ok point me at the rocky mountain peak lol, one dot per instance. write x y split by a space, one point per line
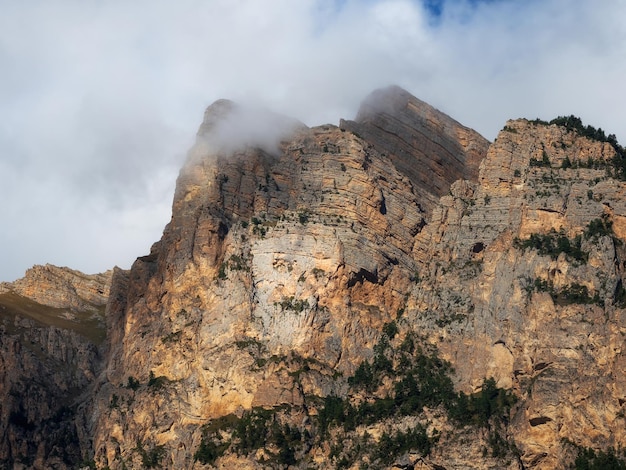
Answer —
393 101
394 292
430 147
214 114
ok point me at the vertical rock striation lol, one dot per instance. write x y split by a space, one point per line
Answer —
297 250
308 279
522 281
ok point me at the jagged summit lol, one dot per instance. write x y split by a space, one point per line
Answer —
430 147
215 113
396 102
316 304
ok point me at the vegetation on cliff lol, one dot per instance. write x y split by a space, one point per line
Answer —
573 123
390 392
322 307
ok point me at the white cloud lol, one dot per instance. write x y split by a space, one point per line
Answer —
101 100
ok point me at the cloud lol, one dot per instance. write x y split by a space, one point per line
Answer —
232 127
101 100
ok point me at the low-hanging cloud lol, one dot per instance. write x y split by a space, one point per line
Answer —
230 127
101 100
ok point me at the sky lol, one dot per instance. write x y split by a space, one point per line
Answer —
100 100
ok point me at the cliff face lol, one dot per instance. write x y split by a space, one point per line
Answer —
394 292
429 147
523 282
280 268
270 259
51 337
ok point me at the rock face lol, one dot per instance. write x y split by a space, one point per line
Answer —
546 319
394 292
51 338
430 148
296 255
62 287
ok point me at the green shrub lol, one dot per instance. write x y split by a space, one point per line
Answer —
363 377
576 294
303 218
589 459
570 294
390 329
260 427
133 383
238 263
221 272
251 430
173 337
408 343
156 382
491 403
295 305
553 244
566 163
208 451
333 411
543 163
599 228
114 403
151 458
419 379
392 445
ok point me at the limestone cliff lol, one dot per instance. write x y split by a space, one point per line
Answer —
51 335
429 147
523 281
270 259
280 268
395 292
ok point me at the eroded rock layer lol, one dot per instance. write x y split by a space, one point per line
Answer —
299 253
51 339
429 147
394 292
523 282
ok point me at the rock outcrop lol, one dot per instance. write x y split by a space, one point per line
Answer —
395 292
429 147
51 339
62 287
523 283
296 255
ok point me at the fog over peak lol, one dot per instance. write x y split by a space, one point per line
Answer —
229 127
101 100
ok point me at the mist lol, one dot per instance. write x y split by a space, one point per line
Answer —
102 100
230 127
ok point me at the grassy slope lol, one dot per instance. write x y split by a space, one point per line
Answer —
87 324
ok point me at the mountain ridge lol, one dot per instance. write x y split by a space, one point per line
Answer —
392 292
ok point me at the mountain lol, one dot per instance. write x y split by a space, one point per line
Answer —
52 334
395 292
